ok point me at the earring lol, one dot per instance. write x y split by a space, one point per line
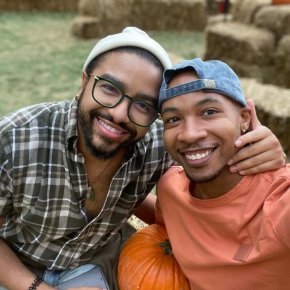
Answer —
244 130
78 96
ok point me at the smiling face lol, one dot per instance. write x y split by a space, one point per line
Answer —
200 129
104 132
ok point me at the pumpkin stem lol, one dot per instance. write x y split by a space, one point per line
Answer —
167 250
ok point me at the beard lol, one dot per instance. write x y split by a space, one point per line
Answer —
206 178
208 174
101 151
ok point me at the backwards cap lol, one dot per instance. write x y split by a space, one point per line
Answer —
130 36
213 75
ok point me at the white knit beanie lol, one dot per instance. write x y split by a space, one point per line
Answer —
130 36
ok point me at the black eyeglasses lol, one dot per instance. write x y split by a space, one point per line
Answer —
109 95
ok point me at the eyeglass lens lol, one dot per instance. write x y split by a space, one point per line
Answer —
109 95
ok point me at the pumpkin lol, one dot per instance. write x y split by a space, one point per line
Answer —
146 262
277 2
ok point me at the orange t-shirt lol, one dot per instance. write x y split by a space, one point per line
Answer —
240 240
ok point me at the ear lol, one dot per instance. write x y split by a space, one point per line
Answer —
85 80
245 119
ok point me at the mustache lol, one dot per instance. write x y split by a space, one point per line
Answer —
97 114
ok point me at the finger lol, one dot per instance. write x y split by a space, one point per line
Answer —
263 167
259 134
247 158
252 150
254 119
255 151
262 162
248 166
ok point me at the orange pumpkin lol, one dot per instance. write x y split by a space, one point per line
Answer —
146 262
277 2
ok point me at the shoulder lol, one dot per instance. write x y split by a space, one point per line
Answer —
37 123
23 117
277 204
175 175
175 170
275 177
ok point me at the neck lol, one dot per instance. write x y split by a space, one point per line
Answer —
216 187
95 165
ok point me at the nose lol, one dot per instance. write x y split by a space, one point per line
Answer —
120 112
191 132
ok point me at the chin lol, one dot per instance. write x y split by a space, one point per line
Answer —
199 176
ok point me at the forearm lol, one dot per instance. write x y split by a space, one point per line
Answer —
146 210
13 274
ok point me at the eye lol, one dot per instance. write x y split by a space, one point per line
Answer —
109 89
143 107
170 120
209 112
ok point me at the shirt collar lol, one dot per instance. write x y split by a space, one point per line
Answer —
71 129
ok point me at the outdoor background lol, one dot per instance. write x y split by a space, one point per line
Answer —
40 61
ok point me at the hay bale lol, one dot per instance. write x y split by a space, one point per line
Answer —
146 14
175 58
84 26
106 9
244 10
92 27
281 72
170 14
240 42
274 18
273 108
39 5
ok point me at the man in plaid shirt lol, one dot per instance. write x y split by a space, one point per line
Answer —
71 173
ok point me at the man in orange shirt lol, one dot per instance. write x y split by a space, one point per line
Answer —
227 231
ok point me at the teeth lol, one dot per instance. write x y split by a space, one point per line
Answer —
197 156
109 128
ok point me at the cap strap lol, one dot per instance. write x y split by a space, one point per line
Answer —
190 87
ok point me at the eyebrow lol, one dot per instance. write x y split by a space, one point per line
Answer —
115 81
207 99
121 85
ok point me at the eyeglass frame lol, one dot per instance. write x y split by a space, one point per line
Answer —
131 100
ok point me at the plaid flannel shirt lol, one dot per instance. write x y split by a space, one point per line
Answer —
43 183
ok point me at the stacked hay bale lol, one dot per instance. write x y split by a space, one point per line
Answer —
244 11
101 17
273 108
245 50
281 73
39 5
97 18
277 20
255 42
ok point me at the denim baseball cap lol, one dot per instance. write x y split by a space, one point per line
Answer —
213 76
